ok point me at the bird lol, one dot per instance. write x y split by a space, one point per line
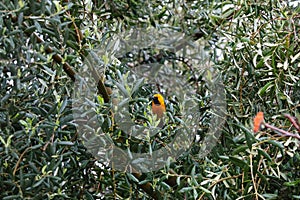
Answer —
258 121
158 107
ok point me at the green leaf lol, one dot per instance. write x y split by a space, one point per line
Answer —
266 88
186 189
137 85
240 149
133 178
264 154
238 162
38 183
63 105
88 196
12 197
165 186
292 183
122 89
205 190
250 139
270 196
65 143
276 143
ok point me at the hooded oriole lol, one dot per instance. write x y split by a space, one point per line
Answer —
158 107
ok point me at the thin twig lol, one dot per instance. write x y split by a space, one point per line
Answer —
293 121
282 132
46 145
17 164
252 177
214 182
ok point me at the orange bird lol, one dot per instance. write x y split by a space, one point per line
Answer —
158 107
258 121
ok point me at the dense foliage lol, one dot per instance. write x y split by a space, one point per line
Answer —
253 46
